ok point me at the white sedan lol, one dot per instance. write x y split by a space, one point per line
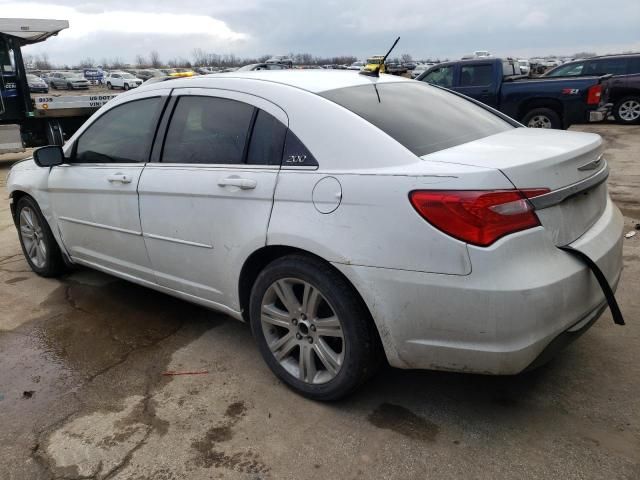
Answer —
347 218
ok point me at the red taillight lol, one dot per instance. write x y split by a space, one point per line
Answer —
594 94
479 217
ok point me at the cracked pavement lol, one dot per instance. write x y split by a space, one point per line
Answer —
83 395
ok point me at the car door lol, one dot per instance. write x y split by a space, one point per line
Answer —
94 196
205 204
477 81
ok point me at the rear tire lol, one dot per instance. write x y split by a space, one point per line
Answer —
109 87
322 348
627 110
38 243
542 118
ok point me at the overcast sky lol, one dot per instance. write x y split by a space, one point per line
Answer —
429 28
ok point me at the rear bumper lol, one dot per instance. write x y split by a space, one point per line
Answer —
601 113
522 294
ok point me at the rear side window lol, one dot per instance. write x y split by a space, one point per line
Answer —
122 135
614 66
422 118
634 65
267 140
476 75
207 130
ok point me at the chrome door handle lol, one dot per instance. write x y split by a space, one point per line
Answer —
241 183
119 177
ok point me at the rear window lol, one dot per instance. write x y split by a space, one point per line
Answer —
423 118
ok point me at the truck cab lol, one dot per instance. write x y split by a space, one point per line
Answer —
16 107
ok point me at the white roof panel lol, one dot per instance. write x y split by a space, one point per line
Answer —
32 30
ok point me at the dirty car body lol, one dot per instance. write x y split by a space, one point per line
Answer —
438 218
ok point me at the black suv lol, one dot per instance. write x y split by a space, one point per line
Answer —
622 90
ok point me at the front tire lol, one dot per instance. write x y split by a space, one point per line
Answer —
627 110
542 118
126 86
38 244
312 328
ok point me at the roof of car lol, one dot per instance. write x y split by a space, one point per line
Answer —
616 55
315 81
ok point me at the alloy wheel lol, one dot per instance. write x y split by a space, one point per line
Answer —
302 331
629 111
539 121
33 237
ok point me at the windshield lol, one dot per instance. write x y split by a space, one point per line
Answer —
421 117
569 70
32 78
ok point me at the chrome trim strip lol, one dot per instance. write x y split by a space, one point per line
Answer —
557 196
177 240
100 225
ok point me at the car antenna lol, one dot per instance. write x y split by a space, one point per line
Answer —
376 71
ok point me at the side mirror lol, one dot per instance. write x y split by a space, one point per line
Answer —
49 156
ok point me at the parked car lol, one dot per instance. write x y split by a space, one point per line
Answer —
206 70
148 73
261 66
281 60
122 80
356 66
68 80
419 70
622 90
395 68
458 212
36 84
541 103
525 68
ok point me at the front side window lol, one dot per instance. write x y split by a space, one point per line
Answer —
423 118
121 135
207 130
442 76
569 70
476 75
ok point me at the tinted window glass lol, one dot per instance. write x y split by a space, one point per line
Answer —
296 154
207 130
569 70
634 65
123 134
442 77
267 140
475 75
424 119
614 66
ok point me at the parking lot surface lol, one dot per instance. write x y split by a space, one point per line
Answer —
84 390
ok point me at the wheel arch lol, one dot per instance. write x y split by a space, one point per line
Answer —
262 257
550 103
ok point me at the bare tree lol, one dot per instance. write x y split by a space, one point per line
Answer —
154 58
141 62
86 63
406 58
41 62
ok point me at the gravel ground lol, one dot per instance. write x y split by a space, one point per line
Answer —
83 395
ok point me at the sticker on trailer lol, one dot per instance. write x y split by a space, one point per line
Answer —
71 101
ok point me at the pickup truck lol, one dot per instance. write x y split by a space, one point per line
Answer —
540 102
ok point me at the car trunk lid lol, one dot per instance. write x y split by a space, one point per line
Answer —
569 165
